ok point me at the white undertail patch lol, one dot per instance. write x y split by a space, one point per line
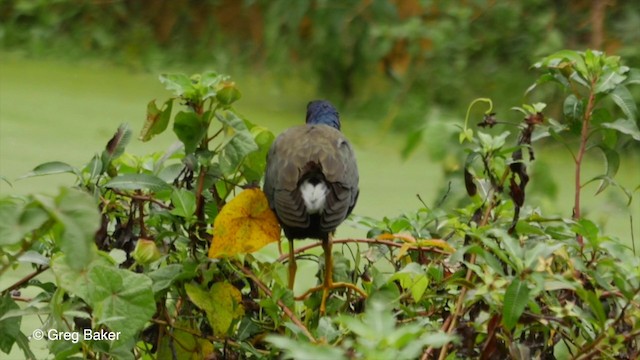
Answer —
314 196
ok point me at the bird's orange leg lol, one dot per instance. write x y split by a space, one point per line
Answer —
293 267
328 283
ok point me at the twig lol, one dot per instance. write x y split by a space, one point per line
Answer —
198 334
583 146
142 198
284 307
452 321
366 241
24 280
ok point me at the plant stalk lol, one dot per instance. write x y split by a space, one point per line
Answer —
584 135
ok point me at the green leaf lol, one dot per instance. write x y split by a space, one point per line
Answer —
221 304
228 94
157 120
72 280
625 126
573 108
612 163
163 277
210 78
633 77
256 162
18 220
137 182
625 101
122 300
185 345
115 147
413 278
189 129
184 202
595 305
146 252
9 327
588 229
177 83
608 81
95 166
49 168
79 217
238 142
515 301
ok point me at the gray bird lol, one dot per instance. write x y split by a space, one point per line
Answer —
311 183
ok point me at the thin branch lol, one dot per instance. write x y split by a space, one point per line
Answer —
142 198
366 241
284 307
24 280
579 157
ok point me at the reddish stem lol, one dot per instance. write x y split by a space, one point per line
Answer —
584 135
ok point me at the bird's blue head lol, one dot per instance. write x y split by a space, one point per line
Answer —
322 112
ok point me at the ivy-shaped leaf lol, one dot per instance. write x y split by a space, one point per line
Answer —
18 220
244 225
75 281
77 214
222 304
177 83
121 300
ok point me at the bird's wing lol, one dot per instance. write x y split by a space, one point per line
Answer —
287 160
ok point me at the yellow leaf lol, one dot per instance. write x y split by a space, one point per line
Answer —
404 237
244 225
403 251
437 243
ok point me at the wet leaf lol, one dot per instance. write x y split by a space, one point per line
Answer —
244 225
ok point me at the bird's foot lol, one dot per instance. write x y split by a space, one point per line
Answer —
326 288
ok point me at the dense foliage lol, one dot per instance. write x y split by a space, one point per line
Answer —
494 278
